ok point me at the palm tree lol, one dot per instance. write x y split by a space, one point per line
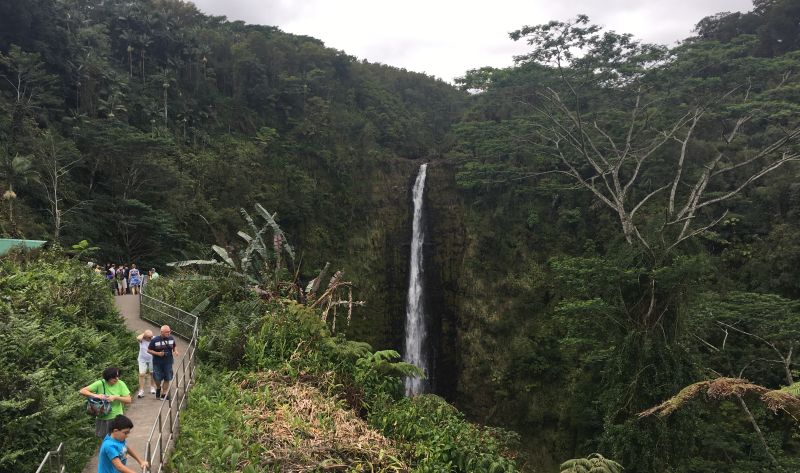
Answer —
129 37
15 170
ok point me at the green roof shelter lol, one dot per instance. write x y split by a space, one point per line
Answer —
7 244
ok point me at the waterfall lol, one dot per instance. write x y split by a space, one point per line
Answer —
416 333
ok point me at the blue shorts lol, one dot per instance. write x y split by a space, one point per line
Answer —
162 372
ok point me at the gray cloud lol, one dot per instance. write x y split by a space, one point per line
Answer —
447 37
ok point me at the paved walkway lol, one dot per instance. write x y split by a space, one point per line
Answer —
142 411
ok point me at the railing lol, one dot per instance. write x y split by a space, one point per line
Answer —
54 460
167 424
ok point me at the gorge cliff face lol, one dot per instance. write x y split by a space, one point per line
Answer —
376 258
486 298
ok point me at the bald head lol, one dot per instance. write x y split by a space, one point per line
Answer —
165 330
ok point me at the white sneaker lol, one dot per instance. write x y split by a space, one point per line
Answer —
141 393
152 390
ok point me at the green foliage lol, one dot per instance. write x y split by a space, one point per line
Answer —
747 335
440 439
381 373
794 389
251 335
211 426
594 463
624 323
175 118
60 331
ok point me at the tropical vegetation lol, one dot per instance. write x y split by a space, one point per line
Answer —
612 230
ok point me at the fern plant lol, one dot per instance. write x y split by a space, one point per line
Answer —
794 389
594 463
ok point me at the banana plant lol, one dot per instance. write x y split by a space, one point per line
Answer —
258 263
261 266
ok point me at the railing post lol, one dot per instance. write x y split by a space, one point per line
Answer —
160 442
62 457
169 413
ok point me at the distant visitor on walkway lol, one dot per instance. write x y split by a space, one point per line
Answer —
135 279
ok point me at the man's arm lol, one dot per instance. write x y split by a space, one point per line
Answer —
140 337
151 348
157 353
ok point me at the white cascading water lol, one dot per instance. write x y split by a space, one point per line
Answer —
415 316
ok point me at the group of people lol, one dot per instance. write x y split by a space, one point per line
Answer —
156 356
125 279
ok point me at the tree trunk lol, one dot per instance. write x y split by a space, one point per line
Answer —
757 429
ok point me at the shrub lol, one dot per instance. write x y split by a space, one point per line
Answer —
60 330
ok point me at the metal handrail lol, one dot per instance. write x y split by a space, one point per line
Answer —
165 429
56 455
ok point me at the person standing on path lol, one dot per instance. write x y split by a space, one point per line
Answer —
114 450
135 279
122 283
111 277
164 351
145 363
113 390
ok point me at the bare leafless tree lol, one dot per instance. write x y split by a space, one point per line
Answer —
55 164
611 164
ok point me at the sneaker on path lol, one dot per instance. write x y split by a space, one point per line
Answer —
141 394
152 390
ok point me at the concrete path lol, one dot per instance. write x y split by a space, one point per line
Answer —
142 411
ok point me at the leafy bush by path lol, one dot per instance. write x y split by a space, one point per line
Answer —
60 330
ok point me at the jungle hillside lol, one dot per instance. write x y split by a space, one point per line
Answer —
612 242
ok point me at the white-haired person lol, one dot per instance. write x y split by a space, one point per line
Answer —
164 351
145 363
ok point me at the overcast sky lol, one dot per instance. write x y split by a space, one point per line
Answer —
445 38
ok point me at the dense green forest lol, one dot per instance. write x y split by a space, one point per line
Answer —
142 126
609 221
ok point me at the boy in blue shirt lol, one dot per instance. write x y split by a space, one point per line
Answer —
114 450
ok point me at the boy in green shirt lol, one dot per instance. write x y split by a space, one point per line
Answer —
113 390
